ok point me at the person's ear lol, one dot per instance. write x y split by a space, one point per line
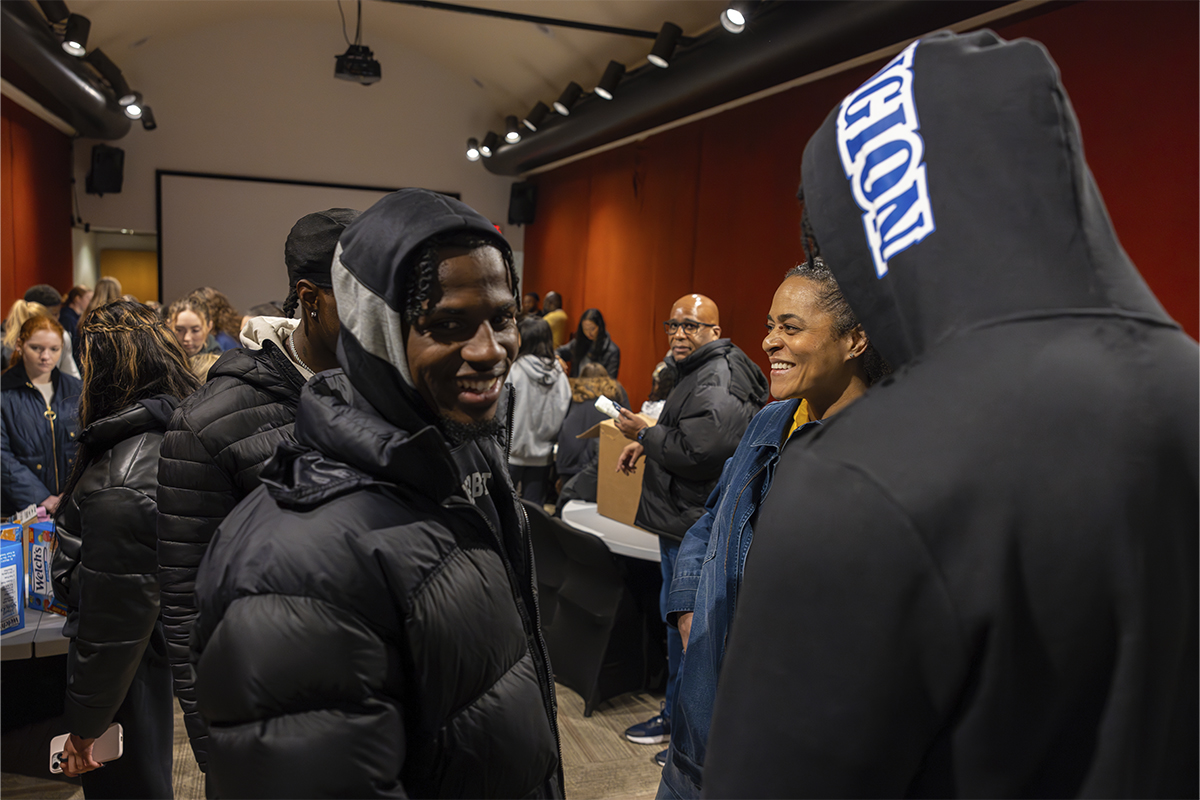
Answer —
716 331
858 343
309 295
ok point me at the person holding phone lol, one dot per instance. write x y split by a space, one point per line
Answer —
105 567
718 391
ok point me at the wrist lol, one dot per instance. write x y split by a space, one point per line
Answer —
641 434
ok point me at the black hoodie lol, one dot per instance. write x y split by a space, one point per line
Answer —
981 578
363 630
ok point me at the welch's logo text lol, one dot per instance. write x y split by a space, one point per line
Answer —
882 154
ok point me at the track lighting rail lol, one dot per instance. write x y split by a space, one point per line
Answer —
561 23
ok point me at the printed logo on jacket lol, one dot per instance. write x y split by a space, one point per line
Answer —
882 154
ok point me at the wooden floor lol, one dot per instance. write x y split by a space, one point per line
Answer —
597 760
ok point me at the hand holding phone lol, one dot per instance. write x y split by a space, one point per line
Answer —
110 745
608 407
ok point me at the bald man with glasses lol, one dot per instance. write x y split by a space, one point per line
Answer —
718 389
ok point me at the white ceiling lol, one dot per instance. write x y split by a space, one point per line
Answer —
514 63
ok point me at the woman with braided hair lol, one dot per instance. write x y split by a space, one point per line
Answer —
821 362
105 565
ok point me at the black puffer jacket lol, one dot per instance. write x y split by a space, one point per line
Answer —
105 569
211 457
363 630
717 392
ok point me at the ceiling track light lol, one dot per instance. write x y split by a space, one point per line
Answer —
490 144
472 149
148 122
536 116
133 100
569 97
512 129
664 45
76 36
608 83
735 16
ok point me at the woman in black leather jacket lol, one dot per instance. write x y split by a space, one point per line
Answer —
105 567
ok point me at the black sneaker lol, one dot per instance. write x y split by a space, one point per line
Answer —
661 758
655 730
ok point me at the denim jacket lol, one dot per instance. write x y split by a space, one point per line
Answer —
708 574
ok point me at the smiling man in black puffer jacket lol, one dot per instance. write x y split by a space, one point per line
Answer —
368 625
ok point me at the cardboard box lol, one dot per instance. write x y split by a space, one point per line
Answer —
40 549
617 495
12 579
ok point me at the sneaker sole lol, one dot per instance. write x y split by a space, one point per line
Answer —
648 739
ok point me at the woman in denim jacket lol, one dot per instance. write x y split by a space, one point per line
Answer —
821 361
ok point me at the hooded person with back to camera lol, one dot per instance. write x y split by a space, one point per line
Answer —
368 625
221 436
980 579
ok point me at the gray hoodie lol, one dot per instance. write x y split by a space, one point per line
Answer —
542 396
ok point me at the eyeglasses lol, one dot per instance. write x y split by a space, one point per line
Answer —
690 327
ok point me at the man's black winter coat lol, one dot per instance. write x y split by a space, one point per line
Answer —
219 439
717 392
364 631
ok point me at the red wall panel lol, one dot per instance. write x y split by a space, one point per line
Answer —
35 191
710 207
1131 71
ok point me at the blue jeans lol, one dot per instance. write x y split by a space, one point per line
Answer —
669 550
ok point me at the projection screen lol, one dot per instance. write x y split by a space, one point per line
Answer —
228 231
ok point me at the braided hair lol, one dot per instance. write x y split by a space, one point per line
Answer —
293 300
127 354
422 289
831 300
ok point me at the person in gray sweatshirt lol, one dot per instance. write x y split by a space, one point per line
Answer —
541 397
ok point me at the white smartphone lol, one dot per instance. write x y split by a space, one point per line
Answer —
109 746
608 407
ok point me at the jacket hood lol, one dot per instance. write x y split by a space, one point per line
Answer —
370 268
151 414
950 192
746 381
540 372
342 443
258 330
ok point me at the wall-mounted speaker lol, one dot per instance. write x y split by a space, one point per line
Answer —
108 170
522 203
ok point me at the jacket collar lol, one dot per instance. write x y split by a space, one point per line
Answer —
151 414
701 355
267 368
770 424
16 377
343 443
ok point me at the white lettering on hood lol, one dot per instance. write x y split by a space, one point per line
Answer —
882 154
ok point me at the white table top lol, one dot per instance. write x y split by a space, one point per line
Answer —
620 538
41 637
